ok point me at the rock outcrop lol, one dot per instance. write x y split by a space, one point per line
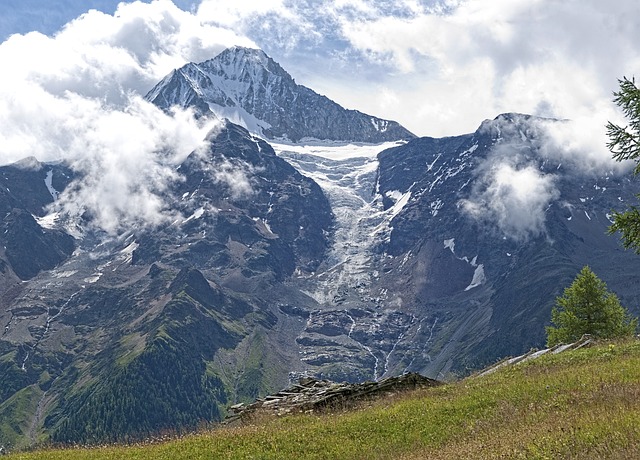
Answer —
312 395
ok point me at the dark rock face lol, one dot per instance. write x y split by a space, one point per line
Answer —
247 83
29 248
31 185
157 329
26 188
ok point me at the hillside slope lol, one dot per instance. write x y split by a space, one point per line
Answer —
579 404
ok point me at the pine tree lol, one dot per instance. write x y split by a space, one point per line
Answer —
624 143
588 307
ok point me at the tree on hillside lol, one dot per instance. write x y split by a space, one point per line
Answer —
624 143
588 307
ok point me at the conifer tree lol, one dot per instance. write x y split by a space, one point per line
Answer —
588 307
624 143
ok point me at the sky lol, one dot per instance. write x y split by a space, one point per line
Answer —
439 67
74 72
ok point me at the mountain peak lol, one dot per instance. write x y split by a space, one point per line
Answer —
249 88
238 61
30 163
255 55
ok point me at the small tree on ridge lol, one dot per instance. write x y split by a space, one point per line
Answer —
588 307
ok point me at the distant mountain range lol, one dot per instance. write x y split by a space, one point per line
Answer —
322 258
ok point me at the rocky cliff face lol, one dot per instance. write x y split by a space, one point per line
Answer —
28 244
248 87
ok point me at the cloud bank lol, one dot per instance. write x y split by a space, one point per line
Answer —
126 159
474 59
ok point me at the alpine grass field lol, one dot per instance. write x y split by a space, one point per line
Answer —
578 404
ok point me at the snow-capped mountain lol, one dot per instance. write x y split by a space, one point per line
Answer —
251 89
333 259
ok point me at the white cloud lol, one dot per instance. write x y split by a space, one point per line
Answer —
236 177
452 67
233 14
580 145
126 159
271 23
511 192
76 96
512 198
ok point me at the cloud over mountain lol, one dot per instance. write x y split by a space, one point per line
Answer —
75 97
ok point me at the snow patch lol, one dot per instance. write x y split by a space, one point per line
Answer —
65 274
435 207
380 125
451 244
48 181
395 195
333 150
198 213
128 251
49 221
478 277
93 279
400 204
473 148
430 166
265 224
241 117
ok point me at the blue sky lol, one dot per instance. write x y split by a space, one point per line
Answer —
22 16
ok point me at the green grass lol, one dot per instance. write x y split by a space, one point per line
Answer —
581 404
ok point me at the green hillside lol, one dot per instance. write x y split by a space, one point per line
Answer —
579 404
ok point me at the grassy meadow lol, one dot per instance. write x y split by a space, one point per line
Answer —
582 404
